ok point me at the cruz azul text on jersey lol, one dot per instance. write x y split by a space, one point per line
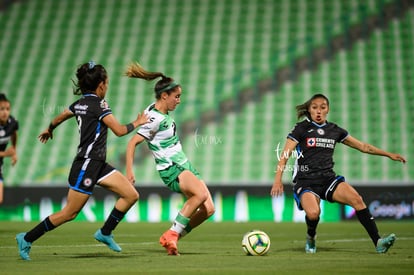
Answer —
320 142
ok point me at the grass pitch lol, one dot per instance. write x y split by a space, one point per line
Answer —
213 248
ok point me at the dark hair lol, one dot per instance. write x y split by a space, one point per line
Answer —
3 97
165 84
89 76
302 109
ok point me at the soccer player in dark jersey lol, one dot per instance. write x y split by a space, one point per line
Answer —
8 132
313 142
94 117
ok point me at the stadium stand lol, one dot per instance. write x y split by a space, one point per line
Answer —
208 46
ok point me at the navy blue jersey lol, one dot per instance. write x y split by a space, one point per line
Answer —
6 131
315 148
89 111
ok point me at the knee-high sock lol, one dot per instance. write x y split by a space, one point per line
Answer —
312 224
112 221
39 230
180 223
367 220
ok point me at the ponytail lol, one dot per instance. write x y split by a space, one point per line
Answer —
165 84
135 70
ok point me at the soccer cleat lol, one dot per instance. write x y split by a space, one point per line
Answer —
24 246
169 241
385 243
310 246
108 240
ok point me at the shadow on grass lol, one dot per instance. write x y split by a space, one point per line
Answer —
98 255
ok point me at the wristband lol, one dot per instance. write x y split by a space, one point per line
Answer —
51 127
130 127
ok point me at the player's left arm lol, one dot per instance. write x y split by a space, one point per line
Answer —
14 145
371 149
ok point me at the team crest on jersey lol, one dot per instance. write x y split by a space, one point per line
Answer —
311 142
104 105
321 131
87 182
164 125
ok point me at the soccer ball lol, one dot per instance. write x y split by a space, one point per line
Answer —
256 243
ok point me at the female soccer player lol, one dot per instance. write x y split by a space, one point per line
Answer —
94 117
8 132
172 164
315 138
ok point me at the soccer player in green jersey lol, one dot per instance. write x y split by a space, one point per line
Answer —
172 164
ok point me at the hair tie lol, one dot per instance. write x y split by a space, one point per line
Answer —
171 86
91 64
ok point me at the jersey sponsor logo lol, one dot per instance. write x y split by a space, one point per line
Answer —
320 142
81 109
311 142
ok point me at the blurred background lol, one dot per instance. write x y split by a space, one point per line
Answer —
243 66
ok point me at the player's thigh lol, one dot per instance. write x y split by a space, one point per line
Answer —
346 194
75 201
119 184
310 203
190 185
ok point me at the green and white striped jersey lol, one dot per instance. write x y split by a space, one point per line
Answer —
161 136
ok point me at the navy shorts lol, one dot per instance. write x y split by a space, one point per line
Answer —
85 173
323 188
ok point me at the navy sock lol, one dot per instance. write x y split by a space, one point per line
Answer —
112 221
312 224
39 230
367 220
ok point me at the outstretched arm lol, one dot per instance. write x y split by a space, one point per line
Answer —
48 133
370 149
277 188
130 152
121 130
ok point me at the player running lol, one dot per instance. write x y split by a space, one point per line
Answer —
315 138
172 164
94 117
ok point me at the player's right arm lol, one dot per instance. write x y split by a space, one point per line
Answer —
277 187
48 133
130 152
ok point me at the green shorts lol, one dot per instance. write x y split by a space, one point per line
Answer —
170 175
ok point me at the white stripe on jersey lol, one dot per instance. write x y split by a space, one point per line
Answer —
159 131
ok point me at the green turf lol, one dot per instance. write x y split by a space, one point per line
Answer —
213 248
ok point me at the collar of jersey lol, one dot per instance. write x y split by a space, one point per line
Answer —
316 124
158 111
90 95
